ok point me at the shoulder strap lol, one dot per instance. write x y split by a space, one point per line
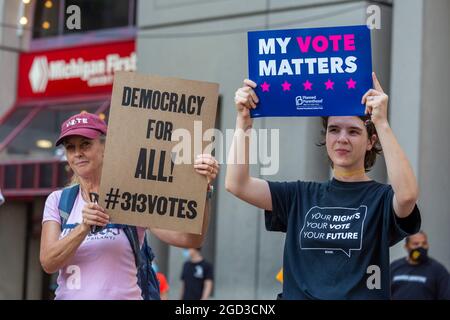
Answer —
66 202
147 249
133 238
143 258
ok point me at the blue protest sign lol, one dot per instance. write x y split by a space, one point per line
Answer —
310 72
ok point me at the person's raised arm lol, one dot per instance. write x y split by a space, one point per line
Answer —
238 180
400 172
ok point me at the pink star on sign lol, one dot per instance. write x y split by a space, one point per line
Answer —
286 86
351 84
329 85
307 85
265 87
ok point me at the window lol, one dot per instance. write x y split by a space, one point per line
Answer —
46 19
50 16
36 140
101 14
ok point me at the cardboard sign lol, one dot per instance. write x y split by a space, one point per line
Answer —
143 182
310 72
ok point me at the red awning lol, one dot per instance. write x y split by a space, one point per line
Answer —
52 86
30 165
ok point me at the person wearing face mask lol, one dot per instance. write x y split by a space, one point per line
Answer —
418 276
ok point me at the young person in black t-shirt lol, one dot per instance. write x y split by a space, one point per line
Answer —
197 277
338 232
418 276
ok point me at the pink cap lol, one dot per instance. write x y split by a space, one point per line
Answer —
84 124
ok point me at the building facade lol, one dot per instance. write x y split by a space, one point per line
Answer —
206 40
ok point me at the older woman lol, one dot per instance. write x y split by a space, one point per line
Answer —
338 232
97 265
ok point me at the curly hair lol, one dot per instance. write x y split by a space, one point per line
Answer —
371 155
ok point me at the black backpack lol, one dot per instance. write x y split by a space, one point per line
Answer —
143 257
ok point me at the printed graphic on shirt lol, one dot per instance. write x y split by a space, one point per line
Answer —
105 233
409 278
198 272
333 228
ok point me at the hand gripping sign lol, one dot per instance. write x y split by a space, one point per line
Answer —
310 72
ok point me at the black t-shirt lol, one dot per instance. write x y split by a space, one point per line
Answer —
425 281
194 276
338 236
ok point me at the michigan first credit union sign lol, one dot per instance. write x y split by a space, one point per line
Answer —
74 71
